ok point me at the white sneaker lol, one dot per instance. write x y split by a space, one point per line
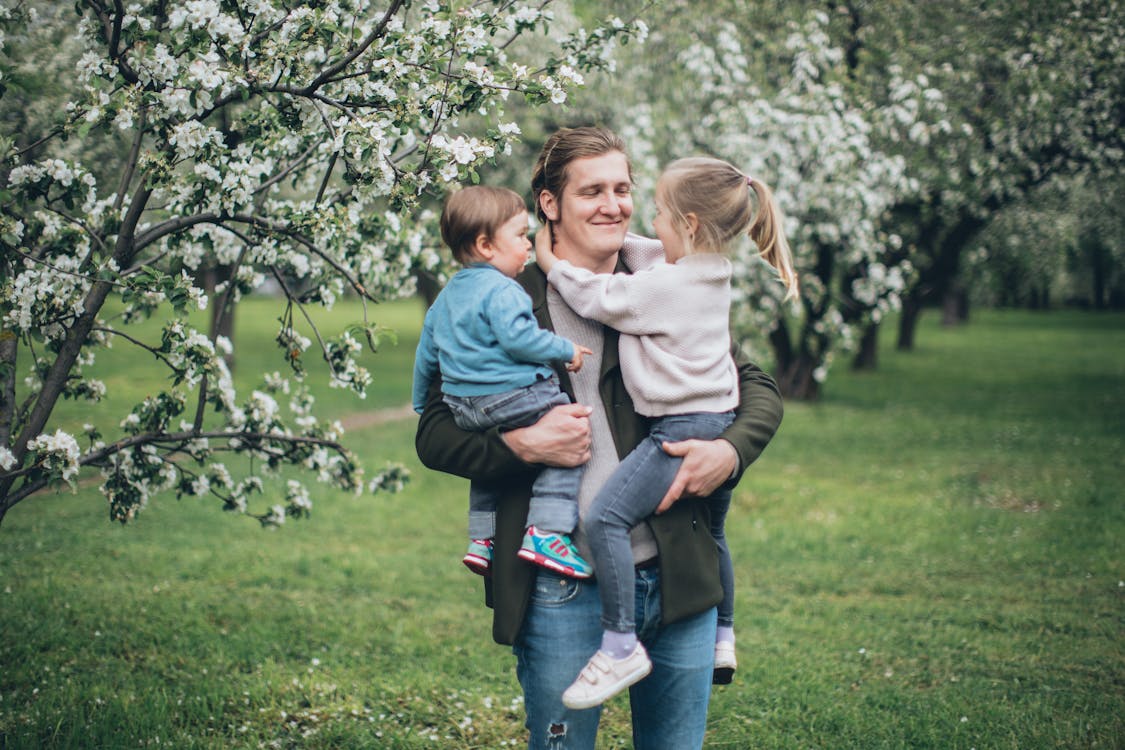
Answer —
604 677
725 663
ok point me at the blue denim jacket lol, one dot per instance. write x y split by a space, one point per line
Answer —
481 335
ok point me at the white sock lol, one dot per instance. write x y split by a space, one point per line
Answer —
725 633
618 645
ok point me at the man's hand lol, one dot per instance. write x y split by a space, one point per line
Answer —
707 464
560 438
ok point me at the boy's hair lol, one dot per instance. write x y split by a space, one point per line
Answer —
719 195
475 211
564 146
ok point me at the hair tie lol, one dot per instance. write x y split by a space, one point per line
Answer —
749 180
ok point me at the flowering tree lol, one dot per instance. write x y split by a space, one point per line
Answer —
1029 94
299 142
783 112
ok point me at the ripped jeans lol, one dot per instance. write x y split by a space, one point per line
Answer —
562 630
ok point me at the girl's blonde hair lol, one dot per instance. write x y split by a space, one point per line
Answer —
719 195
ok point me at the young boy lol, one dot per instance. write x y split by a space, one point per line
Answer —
495 365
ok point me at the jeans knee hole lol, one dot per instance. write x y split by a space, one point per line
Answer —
556 733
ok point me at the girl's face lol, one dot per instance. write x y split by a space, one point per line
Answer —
670 235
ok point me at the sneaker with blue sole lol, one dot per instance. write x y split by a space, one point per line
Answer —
555 552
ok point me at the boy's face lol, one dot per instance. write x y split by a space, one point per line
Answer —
507 249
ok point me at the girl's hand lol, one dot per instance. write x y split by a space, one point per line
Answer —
544 252
575 364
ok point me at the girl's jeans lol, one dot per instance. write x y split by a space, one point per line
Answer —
631 494
560 633
554 505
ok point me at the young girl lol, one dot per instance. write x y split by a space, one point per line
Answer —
495 363
675 359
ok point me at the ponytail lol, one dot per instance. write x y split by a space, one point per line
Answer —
768 234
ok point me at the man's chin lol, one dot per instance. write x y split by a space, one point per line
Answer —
611 241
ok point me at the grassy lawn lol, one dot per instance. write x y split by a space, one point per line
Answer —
931 557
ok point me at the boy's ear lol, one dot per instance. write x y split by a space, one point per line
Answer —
549 205
483 247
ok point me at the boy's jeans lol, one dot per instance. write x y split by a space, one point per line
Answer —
631 494
554 496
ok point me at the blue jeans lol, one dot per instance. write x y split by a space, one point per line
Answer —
554 495
628 497
560 633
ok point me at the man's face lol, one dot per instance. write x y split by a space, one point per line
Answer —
590 218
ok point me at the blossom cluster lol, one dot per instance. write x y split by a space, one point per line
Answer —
815 146
304 144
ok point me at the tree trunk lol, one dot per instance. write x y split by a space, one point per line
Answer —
908 322
222 321
867 356
797 381
955 306
428 287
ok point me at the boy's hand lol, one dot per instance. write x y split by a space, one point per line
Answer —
575 363
544 252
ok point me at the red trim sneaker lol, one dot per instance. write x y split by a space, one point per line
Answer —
555 552
479 557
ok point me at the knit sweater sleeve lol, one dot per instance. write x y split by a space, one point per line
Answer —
621 301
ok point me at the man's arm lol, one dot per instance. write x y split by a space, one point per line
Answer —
560 438
710 463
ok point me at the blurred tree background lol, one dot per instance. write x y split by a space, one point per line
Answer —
162 157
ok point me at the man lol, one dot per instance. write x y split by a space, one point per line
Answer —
582 184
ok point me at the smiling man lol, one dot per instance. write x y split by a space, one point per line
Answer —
582 185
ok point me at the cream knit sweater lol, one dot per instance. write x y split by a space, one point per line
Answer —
674 321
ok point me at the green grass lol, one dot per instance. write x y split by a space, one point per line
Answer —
931 557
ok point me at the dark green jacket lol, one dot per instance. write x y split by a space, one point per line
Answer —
688 555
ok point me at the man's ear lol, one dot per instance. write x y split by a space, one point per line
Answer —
549 205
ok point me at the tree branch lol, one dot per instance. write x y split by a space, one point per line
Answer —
131 164
347 60
95 458
71 346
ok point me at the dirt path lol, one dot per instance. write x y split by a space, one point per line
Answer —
363 419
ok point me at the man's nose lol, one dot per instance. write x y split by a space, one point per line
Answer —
610 204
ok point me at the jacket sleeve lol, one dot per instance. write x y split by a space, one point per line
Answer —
758 415
519 334
425 368
613 299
